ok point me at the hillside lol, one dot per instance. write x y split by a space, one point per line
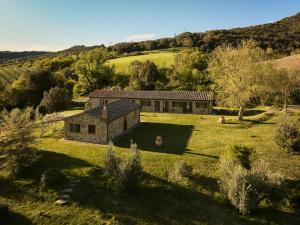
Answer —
282 36
7 55
290 62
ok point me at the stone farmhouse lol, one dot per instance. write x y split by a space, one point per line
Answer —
193 102
102 123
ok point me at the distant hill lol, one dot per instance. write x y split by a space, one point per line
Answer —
290 62
7 55
282 36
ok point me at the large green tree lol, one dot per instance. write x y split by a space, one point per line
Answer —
29 88
56 99
143 75
92 70
237 74
282 84
189 71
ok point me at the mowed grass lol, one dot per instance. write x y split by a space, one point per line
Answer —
197 139
161 59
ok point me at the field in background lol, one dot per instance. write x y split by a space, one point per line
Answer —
161 59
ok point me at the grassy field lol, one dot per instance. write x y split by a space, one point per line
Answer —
290 62
198 139
161 59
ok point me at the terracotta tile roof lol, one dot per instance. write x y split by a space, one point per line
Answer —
114 110
159 95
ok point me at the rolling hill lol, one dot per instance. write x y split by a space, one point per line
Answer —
290 62
282 36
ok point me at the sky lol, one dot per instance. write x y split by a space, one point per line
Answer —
54 25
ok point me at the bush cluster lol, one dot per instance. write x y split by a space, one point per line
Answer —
123 176
246 182
180 172
287 136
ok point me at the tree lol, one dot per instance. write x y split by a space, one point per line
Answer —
56 99
282 84
16 134
92 70
143 75
237 74
189 72
29 88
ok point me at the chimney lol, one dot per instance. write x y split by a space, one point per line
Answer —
104 112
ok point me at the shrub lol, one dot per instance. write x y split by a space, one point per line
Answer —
4 211
112 162
287 136
181 172
236 155
51 178
123 176
246 188
240 191
131 173
18 161
16 134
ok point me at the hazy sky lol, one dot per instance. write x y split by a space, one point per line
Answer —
58 24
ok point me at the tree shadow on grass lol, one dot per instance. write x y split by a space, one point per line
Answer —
49 159
209 183
175 137
14 189
235 112
275 216
201 154
16 219
10 189
158 202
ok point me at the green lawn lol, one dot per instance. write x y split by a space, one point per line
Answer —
161 59
198 139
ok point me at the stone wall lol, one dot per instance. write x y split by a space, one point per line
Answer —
100 137
116 127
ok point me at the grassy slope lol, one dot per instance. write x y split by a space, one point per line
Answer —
290 62
161 59
197 139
